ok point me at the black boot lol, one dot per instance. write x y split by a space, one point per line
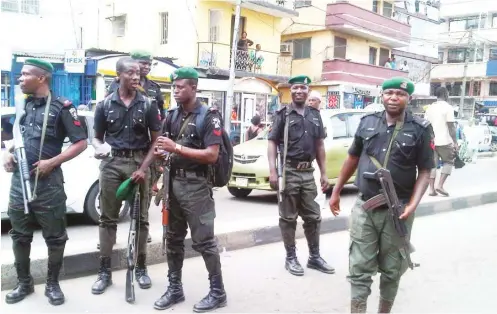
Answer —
104 276
216 297
52 289
174 293
292 263
141 273
317 262
358 306
385 306
25 285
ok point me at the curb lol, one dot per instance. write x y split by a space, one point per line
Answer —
88 263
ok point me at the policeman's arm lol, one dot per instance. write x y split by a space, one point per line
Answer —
350 164
274 137
99 126
76 133
155 126
424 163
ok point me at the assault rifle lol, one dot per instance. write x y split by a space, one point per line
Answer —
132 248
166 179
389 197
20 156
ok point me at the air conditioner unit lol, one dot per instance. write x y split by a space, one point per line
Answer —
286 48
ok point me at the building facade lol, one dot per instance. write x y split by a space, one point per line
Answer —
468 35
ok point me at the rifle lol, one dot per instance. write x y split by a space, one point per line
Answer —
132 247
20 157
389 197
166 179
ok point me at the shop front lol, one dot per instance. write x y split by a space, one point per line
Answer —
350 97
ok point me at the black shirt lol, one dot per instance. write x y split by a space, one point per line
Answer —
411 150
210 134
127 127
150 90
62 122
303 131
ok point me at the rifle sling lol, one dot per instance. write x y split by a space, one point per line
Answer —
285 147
43 133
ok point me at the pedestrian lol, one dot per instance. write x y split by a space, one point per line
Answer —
56 118
305 143
441 116
374 243
190 195
314 99
129 123
254 129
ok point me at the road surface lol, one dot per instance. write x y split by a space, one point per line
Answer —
457 275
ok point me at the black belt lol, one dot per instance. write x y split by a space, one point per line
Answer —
299 164
184 173
127 153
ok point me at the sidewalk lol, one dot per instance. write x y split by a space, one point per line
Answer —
243 223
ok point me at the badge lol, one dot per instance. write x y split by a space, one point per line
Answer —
216 123
403 85
74 115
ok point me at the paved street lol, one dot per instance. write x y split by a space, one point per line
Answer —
257 211
457 275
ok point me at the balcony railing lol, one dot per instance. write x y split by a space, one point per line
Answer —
218 55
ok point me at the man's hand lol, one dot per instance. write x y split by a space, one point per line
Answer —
456 147
9 162
408 210
324 182
102 151
45 167
138 176
273 180
164 143
335 203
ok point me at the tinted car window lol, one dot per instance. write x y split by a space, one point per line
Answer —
338 126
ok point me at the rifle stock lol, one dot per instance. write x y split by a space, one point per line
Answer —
20 156
132 249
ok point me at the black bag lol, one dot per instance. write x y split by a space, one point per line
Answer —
458 163
220 172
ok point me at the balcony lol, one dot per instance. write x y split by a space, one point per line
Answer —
456 70
217 55
460 38
277 8
355 72
353 20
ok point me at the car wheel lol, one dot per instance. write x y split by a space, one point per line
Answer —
493 147
92 205
240 193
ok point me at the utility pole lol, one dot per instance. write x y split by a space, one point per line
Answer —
230 97
463 86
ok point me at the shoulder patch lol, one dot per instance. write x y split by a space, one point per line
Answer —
66 103
423 122
172 109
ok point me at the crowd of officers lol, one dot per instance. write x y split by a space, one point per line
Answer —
131 133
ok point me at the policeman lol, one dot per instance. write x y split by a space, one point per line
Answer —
401 141
48 208
191 202
305 143
125 119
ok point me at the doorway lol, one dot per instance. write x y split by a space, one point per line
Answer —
248 110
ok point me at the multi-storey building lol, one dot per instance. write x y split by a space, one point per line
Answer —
345 47
468 35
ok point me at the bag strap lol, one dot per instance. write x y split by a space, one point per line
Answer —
285 143
398 127
43 133
184 125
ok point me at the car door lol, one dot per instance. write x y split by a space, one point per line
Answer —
5 176
337 144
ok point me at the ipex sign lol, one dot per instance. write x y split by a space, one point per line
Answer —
74 61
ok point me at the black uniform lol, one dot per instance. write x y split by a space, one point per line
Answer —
300 186
49 208
127 131
191 204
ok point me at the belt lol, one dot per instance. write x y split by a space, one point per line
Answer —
127 153
298 164
184 173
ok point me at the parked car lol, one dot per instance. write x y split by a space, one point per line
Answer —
80 174
484 134
493 143
250 165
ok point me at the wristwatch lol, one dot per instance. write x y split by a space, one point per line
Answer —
178 148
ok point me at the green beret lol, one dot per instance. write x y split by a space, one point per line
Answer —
141 55
126 190
401 83
184 73
299 79
42 64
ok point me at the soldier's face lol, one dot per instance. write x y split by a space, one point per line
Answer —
183 91
299 93
145 67
31 79
395 101
129 79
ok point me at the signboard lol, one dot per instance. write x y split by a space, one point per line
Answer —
74 61
364 91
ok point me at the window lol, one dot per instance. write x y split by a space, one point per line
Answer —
353 122
456 55
30 7
465 23
164 27
215 17
492 91
494 20
375 6
119 26
384 55
302 48
441 56
10 6
492 55
387 9
340 48
479 54
302 3
372 55
339 126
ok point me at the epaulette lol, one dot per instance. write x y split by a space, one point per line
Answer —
423 122
281 109
154 83
367 114
64 101
172 109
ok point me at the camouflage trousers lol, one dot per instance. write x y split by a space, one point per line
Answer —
375 246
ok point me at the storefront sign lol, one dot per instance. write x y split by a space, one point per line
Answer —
364 91
74 61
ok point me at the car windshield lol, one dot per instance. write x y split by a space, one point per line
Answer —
264 134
